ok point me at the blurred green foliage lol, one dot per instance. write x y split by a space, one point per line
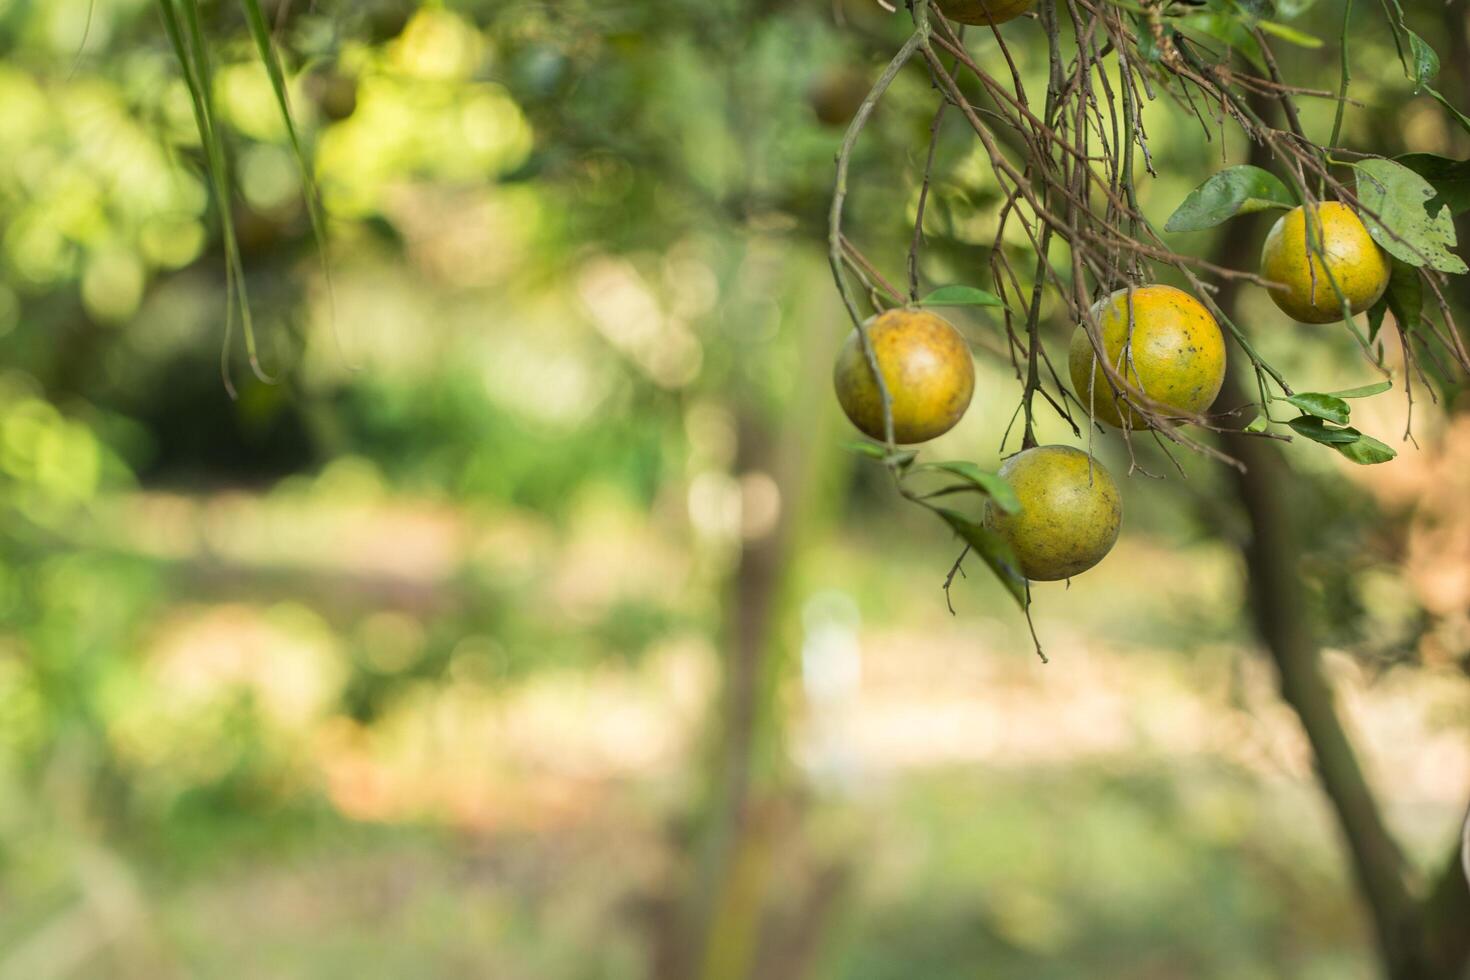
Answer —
265 664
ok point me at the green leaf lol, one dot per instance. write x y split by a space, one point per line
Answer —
1460 117
1229 29
1238 190
1328 407
1318 431
1449 178
870 449
1349 441
1423 62
993 549
1397 195
1376 313
961 296
903 458
1405 295
1366 451
1290 34
1365 391
985 482
1258 424
1291 8
1148 47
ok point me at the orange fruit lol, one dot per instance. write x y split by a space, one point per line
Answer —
926 366
836 95
1176 356
1358 266
1070 513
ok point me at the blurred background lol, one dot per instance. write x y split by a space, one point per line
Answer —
533 623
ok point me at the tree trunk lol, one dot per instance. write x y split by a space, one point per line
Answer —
1278 603
749 821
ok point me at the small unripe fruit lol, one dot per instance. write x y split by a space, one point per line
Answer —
335 94
837 94
1070 512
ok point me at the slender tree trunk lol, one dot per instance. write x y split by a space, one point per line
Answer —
1278 603
750 815
1447 919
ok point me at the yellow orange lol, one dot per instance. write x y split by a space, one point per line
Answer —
926 366
1170 350
1358 266
1070 513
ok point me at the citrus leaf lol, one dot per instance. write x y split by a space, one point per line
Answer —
1423 62
961 296
987 483
1460 117
1449 178
1316 430
1328 407
1291 8
993 549
1227 28
1405 295
903 458
869 449
1365 391
949 491
1365 451
1290 34
1238 190
1376 313
1397 195
1257 424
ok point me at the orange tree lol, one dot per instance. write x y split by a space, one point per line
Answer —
1360 233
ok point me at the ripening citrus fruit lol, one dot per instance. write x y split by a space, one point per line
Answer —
1176 358
1358 265
836 95
335 94
926 365
1070 512
984 12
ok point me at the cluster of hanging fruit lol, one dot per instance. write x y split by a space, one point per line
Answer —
1162 349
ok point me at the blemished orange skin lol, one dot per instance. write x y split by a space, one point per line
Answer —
982 12
1358 265
926 366
1176 358
1070 513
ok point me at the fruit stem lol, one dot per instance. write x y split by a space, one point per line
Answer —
839 198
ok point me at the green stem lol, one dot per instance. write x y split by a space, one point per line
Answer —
839 197
1347 9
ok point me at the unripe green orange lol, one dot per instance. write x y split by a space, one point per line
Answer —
836 95
1359 267
926 366
1176 356
983 12
1070 512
